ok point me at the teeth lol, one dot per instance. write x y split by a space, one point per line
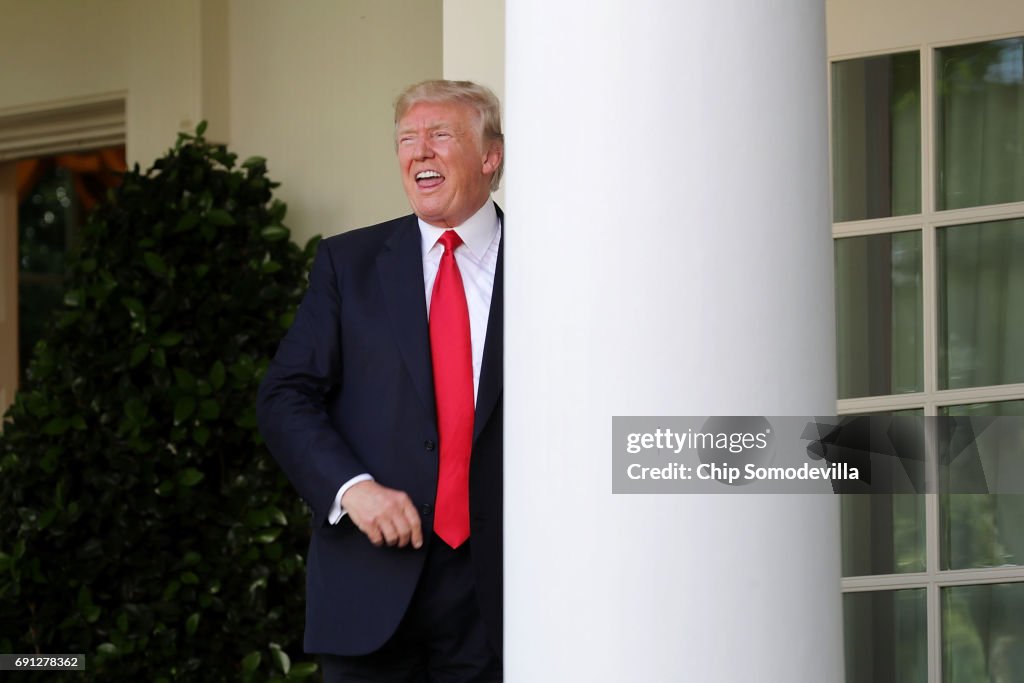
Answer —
427 174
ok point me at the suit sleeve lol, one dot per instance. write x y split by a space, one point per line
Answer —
291 406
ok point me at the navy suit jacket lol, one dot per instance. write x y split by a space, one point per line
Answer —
351 390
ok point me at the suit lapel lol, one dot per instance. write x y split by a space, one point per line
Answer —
400 266
491 380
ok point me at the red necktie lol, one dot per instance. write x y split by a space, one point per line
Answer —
452 355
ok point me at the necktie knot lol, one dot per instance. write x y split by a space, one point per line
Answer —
450 240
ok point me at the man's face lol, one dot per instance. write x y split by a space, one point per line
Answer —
446 172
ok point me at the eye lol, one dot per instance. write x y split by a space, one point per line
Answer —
442 135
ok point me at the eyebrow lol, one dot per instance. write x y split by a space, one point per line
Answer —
434 125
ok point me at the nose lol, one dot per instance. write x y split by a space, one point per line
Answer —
421 148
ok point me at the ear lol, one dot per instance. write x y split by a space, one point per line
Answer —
492 159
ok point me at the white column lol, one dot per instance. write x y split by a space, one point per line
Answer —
668 253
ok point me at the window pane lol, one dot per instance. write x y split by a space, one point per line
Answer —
980 124
981 304
983 530
983 633
878 314
885 635
55 194
876 137
883 533
46 219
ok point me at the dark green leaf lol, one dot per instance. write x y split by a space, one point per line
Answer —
183 409
187 222
273 233
217 375
190 477
209 409
73 297
155 263
302 670
220 217
46 518
268 536
139 354
201 435
170 338
135 409
185 379
280 657
251 661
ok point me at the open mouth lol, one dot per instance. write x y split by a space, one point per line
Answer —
428 179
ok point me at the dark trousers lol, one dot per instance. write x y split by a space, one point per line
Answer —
441 639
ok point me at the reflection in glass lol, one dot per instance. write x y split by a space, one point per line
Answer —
980 124
876 137
982 530
981 304
983 633
883 533
47 221
885 635
878 314
55 195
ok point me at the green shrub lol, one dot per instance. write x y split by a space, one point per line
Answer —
142 521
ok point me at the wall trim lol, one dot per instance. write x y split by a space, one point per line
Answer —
66 126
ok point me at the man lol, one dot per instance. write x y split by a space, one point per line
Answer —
383 407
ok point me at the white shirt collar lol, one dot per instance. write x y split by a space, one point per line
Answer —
477 232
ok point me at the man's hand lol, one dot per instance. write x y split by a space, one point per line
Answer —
384 515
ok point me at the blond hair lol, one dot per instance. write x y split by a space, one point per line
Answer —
479 97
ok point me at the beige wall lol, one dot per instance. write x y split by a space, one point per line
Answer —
59 51
312 84
861 26
474 46
308 84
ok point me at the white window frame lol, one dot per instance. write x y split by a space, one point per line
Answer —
931 399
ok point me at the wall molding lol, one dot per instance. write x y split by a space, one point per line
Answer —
67 126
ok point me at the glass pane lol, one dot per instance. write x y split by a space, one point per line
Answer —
883 533
47 218
885 635
876 137
878 314
55 194
983 530
983 633
980 124
981 304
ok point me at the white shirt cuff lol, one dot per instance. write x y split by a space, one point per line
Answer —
336 512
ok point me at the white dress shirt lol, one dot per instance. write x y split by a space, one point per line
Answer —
477 258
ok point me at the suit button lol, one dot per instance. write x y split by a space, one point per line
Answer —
428 444
426 508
